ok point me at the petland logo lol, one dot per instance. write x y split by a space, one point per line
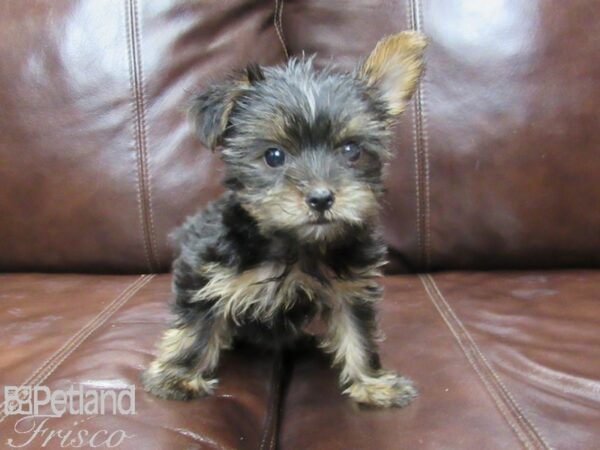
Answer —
39 406
28 400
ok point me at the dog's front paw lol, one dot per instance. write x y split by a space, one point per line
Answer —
384 391
173 383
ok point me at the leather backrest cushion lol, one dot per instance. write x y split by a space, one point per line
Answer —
498 162
97 159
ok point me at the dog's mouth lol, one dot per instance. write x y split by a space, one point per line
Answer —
321 220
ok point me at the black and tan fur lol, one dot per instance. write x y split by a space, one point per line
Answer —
260 263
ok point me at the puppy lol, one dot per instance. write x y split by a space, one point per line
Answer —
296 234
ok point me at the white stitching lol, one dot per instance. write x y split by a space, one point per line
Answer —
143 137
489 366
54 360
41 372
499 404
139 128
424 145
108 313
417 165
421 152
134 106
277 21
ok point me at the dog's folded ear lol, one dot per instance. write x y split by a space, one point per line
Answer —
394 68
209 112
210 109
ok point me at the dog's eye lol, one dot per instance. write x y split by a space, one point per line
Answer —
351 152
275 157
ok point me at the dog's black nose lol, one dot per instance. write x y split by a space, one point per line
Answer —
320 199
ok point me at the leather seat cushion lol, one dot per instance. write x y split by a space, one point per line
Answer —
501 360
100 331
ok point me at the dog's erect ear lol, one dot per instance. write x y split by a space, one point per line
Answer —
394 68
210 109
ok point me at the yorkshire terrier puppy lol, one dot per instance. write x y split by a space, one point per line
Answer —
296 235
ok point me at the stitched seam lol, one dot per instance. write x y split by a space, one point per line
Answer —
417 157
61 354
109 313
135 132
421 150
507 397
273 404
68 343
277 21
425 145
534 431
54 360
497 401
269 418
139 125
269 412
478 361
144 138
275 426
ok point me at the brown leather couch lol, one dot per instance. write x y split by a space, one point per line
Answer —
494 197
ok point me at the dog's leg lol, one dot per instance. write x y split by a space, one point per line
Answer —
188 354
352 339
